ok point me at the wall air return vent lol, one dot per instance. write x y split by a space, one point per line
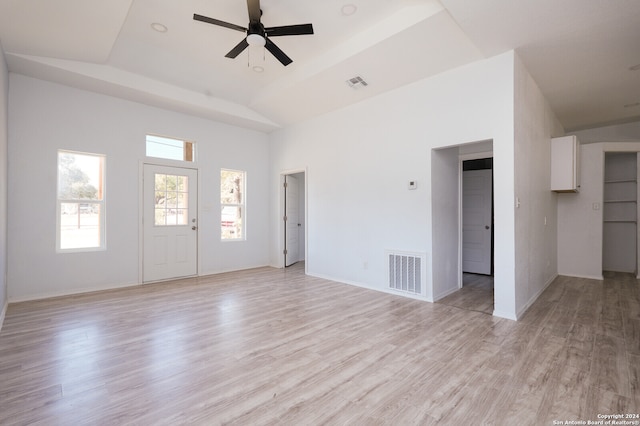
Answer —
407 272
357 82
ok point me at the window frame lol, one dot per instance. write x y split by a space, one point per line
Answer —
101 202
188 149
242 206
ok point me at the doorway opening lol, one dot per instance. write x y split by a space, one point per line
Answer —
294 218
464 226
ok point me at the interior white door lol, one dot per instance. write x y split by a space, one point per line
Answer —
169 222
476 221
291 237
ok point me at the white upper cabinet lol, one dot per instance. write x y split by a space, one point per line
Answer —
565 158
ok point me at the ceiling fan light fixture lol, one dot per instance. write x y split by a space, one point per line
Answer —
256 40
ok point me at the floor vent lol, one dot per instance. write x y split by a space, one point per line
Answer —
405 272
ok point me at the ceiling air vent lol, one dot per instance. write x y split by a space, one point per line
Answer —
357 82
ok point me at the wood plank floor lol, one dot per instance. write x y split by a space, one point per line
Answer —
476 294
272 346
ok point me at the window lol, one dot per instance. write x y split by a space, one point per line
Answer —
80 201
170 149
232 189
171 200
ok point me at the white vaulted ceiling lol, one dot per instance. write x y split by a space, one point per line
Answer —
579 51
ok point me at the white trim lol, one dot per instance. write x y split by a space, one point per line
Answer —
505 315
589 277
445 294
103 212
3 313
85 290
163 163
533 298
461 159
380 290
242 205
280 226
70 292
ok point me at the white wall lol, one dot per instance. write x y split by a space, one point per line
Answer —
361 158
579 223
445 222
628 132
4 137
536 206
45 117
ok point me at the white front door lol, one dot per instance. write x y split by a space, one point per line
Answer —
476 221
170 222
291 239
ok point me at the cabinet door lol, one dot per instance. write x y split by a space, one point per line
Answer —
564 164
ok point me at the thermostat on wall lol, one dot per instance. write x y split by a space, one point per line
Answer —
413 184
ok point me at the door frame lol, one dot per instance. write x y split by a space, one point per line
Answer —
462 158
162 163
281 212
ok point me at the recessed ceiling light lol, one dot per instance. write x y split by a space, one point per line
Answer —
349 9
258 69
634 68
635 104
159 27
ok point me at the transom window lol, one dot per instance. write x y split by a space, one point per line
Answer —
171 200
81 218
169 148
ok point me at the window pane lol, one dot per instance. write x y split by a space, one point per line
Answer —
80 225
171 207
231 185
182 200
169 148
231 223
80 200
161 182
79 176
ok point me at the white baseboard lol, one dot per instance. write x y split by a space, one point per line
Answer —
533 298
445 293
589 277
505 315
365 286
69 292
3 313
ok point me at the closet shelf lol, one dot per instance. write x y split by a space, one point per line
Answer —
619 221
620 181
620 201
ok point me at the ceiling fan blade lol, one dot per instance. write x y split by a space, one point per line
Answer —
287 30
218 22
279 54
238 49
253 6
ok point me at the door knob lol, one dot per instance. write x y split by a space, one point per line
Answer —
194 227
486 227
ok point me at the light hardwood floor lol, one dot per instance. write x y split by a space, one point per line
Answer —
270 346
476 294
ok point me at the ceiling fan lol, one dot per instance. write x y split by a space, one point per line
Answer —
257 34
